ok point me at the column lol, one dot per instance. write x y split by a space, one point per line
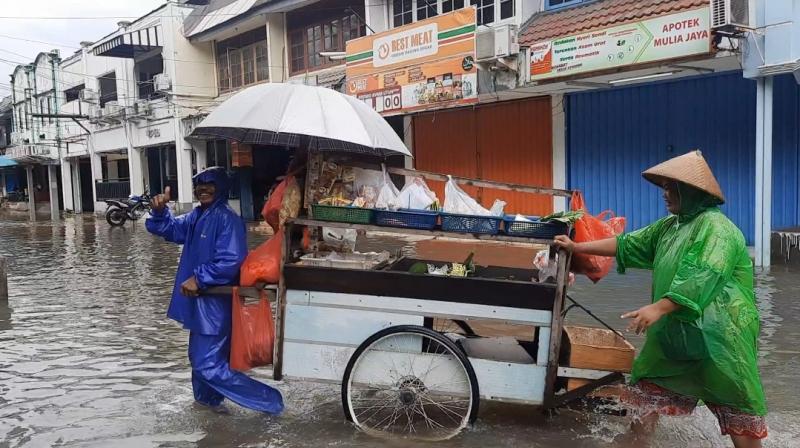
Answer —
136 165
3 191
77 198
200 154
31 189
763 218
52 182
559 129
183 159
97 175
67 185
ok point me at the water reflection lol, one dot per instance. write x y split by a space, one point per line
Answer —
88 358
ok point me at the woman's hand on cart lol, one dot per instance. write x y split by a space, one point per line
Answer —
564 242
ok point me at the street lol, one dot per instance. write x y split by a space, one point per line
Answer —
88 358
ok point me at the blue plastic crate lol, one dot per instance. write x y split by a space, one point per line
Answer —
535 228
410 219
471 224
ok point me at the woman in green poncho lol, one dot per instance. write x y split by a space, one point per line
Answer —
702 325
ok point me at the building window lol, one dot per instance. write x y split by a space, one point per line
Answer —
555 4
49 110
426 9
451 5
147 69
73 93
306 43
108 88
217 154
402 12
243 60
41 110
485 11
506 9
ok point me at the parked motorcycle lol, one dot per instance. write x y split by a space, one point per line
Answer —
132 208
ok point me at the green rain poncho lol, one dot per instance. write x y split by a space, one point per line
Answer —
708 347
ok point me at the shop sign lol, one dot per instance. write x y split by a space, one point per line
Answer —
424 65
660 38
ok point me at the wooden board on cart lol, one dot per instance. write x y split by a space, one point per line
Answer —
596 349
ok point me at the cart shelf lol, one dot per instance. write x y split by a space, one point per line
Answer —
431 233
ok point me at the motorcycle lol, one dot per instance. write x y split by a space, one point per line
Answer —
133 208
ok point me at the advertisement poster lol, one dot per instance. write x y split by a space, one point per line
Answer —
665 37
429 64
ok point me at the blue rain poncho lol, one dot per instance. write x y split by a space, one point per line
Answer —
214 247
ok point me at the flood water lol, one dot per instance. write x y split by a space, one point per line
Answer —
88 359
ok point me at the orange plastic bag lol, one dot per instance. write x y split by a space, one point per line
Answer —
252 333
272 208
593 228
263 264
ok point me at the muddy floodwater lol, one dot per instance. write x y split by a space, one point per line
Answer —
88 358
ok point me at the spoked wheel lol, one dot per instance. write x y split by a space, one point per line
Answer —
461 327
410 381
116 216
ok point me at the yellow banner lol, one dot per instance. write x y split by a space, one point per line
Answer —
428 64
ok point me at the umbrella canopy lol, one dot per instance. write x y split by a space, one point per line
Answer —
282 114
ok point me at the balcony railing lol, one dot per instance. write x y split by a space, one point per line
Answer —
147 90
112 189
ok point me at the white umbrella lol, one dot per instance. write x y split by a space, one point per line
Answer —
281 114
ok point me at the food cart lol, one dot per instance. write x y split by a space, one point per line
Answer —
379 334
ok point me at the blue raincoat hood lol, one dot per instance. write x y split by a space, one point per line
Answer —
219 177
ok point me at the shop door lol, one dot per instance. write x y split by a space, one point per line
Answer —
87 196
505 142
615 134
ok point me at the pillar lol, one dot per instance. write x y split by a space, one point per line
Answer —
183 158
97 175
559 129
67 185
763 218
201 154
31 190
77 196
3 191
246 193
52 183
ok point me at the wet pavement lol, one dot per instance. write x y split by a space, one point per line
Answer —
88 358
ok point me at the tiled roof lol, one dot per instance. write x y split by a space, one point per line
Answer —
597 14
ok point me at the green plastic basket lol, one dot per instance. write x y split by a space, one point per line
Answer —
353 215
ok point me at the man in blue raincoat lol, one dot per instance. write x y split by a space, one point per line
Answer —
214 247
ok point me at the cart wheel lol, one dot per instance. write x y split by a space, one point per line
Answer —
412 382
452 326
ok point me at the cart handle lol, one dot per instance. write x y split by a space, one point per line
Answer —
576 304
244 291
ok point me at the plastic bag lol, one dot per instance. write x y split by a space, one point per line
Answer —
457 201
593 228
272 208
415 195
263 264
548 269
340 239
291 201
252 333
387 192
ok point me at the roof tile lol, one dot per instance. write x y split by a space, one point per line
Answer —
598 14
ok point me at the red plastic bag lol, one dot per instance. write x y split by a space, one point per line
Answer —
263 264
272 208
593 228
252 333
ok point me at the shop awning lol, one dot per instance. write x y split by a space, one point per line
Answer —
6 162
131 44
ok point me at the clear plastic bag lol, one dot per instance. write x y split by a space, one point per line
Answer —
415 195
457 201
387 192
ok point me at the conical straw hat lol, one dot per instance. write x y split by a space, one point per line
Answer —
691 169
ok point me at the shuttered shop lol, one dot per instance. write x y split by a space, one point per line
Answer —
506 142
614 135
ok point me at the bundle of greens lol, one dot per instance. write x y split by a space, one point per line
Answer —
568 217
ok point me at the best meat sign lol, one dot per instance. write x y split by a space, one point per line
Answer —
660 38
411 44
